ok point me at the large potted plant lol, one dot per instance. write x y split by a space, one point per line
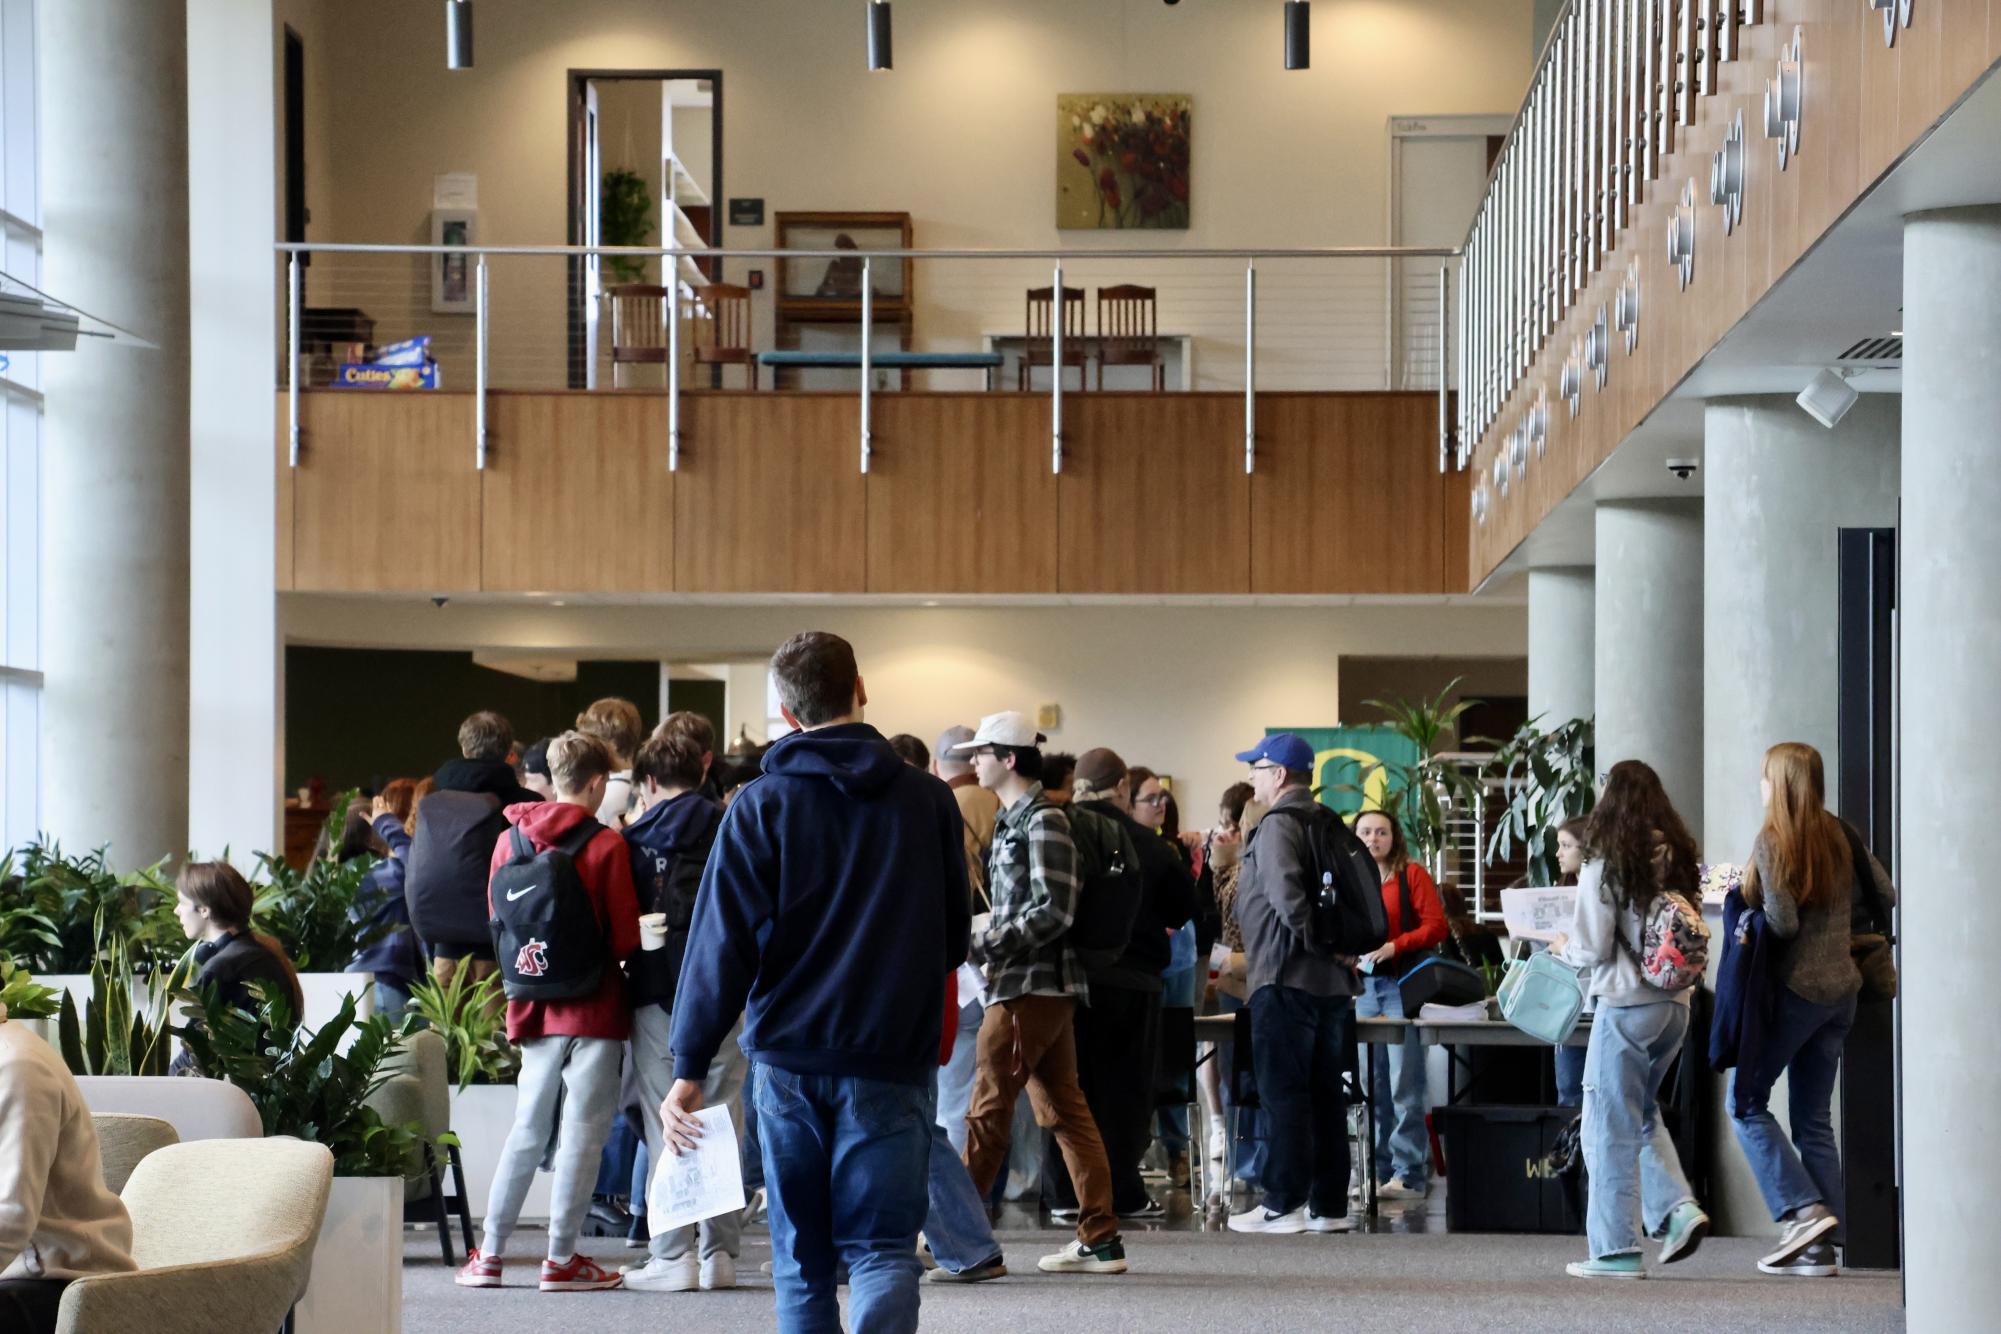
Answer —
1424 794
315 1084
311 914
1547 778
471 1017
124 1022
59 915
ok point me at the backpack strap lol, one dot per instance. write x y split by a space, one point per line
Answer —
573 843
1406 908
1865 877
522 847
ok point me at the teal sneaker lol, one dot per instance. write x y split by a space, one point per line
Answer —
1607 1266
1686 1227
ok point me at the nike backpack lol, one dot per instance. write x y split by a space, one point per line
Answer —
1348 918
546 936
1110 885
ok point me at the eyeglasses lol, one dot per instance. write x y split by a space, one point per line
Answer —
1265 767
1157 799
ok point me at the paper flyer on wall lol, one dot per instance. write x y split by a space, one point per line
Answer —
702 1182
1538 914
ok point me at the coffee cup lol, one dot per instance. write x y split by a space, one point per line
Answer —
653 931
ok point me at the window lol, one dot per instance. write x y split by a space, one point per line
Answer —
20 440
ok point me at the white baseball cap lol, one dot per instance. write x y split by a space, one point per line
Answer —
1007 728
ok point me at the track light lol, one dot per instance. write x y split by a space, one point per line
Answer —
1828 397
1298 34
878 36
458 34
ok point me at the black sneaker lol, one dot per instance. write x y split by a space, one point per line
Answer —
1816 1261
1149 1208
1806 1227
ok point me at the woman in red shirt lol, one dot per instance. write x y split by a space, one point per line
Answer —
1398 1094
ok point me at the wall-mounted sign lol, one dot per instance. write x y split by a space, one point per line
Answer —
746 212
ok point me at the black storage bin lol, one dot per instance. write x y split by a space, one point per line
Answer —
1498 1173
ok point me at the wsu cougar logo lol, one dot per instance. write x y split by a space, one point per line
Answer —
533 960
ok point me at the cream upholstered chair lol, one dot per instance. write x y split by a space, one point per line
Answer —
122 1140
223 1233
196 1108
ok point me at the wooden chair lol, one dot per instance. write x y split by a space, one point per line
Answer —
1129 331
639 313
723 339
1039 346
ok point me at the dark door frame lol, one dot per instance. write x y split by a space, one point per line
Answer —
574 96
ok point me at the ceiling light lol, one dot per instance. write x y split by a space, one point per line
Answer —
1828 397
458 34
878 36
1298 34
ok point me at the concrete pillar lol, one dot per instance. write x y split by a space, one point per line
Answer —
1778 486
1950 621
233 773
1562 612
115 575
1648 664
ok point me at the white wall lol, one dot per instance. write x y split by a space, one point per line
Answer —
1179 688
961 135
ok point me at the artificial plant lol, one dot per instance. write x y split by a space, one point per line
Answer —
1547 778
625 217
1420 794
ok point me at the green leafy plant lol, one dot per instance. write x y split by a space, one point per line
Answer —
1548 779
302 1083
311 912
625 217
1421 794
67 910
116 1034
471 1017
22 996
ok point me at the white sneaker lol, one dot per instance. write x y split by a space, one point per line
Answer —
1107 1257
1325 1223
1396 1188
657 1275
1261 1219
718 1272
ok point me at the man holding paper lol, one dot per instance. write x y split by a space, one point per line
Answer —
831 913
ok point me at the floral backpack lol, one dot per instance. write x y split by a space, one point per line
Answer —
1674 943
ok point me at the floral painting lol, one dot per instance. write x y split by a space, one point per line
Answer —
1122 160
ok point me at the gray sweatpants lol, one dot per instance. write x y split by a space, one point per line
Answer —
580 1075
653 1069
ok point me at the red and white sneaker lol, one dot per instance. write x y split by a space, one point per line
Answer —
581 1274
479 1271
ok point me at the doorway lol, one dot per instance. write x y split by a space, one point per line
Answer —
1438 175
645 169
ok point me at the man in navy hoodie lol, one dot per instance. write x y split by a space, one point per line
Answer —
832 910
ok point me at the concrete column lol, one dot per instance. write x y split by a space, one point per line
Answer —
1778 487
233 773
1562 648
1648 664
115 575
1950 621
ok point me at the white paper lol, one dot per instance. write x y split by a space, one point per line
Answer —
703 1182
1539 914
455 189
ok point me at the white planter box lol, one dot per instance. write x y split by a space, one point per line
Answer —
357 1277
482 1116
324 993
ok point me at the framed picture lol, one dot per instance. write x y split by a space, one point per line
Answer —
838 281
452 275
1122 161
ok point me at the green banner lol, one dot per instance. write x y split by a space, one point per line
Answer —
1348 762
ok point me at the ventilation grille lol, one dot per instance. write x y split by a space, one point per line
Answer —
1886 348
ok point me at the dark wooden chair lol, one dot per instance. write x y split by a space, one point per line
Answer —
639 313
1038 348
723 338
1129 331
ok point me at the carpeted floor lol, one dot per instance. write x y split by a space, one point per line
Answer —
1186 1279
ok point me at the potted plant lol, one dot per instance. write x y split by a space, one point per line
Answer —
1547 778
472 1019
122 1026
1422 794
315 1084
311 914
59 914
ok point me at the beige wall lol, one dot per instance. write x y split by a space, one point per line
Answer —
1179 688
960 135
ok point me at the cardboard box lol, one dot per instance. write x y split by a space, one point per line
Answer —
373 375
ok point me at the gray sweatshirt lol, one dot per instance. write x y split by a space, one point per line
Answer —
1817 966
1594 943
1275 893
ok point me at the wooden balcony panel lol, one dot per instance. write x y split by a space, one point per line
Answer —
770 497
386 497
961 498
578 496
1153 496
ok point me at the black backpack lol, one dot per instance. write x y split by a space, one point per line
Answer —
451 856
1110 885
546 935
1348 917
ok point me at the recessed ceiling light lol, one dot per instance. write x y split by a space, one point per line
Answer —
559 603
931 603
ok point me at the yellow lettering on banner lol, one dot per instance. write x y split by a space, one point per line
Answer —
1375 780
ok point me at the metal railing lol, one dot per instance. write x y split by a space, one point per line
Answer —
676 261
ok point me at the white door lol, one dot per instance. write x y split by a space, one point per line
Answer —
1439 180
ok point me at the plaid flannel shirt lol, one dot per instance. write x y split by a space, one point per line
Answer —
1032 875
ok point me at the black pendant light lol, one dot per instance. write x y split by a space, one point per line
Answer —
458 34
1298 34
878 36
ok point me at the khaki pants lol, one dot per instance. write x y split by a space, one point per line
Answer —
1031 1041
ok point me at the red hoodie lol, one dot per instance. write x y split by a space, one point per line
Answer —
606 870
1429 928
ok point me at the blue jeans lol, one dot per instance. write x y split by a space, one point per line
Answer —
1627 1152
955 1077
1398 1092
1570 1076
1805 1041
956 1226
748 1151
1299 1042
392 996
846 1162
1247 1124
1177 993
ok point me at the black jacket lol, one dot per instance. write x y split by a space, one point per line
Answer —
491 776
670 846
229 963
1167 903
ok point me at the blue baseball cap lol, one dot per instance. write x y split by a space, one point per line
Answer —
1285 749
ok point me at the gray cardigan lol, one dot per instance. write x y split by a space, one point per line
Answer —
1275 893
1817 966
